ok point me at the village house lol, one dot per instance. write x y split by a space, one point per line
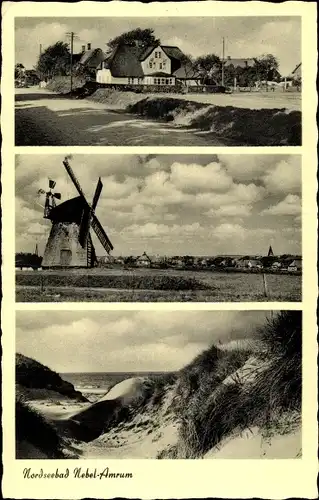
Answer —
295 265
88 59
239 62
296 73
177 262
276 265
156 65
143 260
249 263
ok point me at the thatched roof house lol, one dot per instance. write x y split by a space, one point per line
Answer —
154 65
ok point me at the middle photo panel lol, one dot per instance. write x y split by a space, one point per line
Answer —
150 228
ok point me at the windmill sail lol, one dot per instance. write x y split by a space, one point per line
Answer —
52 184
88 216
97 194
101 234
74 179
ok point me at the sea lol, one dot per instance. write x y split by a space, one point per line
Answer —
94 385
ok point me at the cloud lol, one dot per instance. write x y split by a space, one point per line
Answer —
250 35
193 178
291 205
158 203
153 230
231 211
127 340
285 177
246 167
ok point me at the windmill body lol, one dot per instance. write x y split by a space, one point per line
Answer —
70 244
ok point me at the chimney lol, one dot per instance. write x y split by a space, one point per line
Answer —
89 46
83 48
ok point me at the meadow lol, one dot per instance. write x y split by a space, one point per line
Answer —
153 285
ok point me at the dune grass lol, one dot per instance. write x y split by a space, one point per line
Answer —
211 410
34 376
267 127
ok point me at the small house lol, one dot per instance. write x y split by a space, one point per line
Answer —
143 261
295 265
296 73
276 265
177 262
239 62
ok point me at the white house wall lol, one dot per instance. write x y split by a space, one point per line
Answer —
156 62
104 76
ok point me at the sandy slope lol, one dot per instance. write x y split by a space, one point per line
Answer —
251 444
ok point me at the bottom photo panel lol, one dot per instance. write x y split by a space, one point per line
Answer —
158 384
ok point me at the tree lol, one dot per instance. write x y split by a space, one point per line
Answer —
208 67
19 70
266 67
54 61
137 38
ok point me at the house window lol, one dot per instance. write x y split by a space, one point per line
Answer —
155 55
167 81
150 64
161 66
159 55
131 80
163 81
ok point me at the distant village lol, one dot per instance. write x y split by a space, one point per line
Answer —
235 263
291 263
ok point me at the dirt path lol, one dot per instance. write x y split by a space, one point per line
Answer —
42 118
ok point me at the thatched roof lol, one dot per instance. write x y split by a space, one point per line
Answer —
125 60
92 58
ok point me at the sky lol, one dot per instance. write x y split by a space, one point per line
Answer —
128 340
244 36
172 204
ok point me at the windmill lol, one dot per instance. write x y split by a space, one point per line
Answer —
70 244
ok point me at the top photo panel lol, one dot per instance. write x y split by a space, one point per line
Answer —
164 81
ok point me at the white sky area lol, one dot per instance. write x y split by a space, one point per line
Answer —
93 341
244 36
172 204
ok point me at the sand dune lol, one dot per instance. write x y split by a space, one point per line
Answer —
239 401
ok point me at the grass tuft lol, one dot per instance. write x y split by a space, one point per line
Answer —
210 409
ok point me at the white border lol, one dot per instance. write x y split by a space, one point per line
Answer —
164 478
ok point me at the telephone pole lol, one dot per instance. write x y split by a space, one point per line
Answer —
223 62
71 34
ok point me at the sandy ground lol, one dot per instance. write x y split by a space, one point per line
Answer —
251 444
45 119
251 100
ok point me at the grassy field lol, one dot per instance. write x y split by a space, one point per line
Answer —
143 285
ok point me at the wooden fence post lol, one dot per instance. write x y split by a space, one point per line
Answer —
265 285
